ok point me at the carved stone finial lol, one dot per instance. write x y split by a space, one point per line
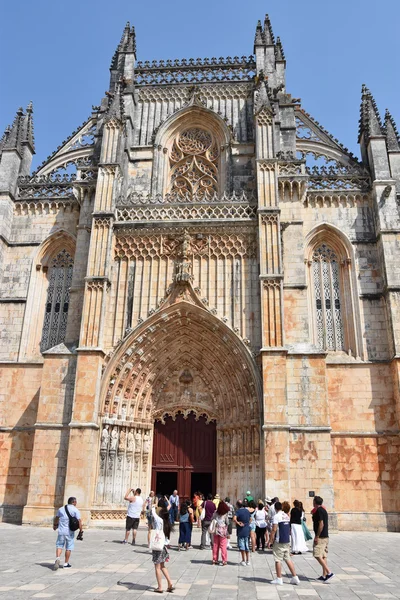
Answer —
392 135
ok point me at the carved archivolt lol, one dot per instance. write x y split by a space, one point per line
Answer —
143 379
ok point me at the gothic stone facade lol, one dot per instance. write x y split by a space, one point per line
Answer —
201 245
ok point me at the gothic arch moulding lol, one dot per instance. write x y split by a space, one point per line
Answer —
192 133
58 248
182 360
333 291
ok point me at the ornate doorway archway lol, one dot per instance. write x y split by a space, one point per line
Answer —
184 455
181 360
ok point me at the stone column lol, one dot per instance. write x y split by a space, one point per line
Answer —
83 457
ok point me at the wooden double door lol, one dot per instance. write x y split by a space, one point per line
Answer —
184 456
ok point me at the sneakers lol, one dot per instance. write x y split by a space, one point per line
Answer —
295 580
243 563
329 577
277 581
133 542
248 563
123 542
67 566
229 547
321 578
56 565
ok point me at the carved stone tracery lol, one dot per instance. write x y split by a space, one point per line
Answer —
194 164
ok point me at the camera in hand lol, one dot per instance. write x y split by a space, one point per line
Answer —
80 536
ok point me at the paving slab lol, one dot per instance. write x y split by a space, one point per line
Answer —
366 567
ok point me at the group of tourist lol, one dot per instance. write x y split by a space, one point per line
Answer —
267 524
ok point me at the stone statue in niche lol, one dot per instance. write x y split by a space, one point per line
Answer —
122 440
220 444
138 439
107 408
131 441
115 409
104 438
114 438
146 443
123 412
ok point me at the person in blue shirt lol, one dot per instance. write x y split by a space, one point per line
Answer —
65 537
242 520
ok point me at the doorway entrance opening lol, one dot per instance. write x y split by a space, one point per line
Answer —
202 482
166 482
184 456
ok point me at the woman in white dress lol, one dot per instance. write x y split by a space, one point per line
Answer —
298 545
160 557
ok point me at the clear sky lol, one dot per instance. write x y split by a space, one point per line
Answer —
57 54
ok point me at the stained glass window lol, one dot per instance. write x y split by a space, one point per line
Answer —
326 280
57 303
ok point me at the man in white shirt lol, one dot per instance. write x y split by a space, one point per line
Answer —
135 508
65 537
174 502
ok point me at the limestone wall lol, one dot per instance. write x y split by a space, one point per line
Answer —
19 397
365 446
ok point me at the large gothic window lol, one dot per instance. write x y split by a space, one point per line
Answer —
57 303
194 164
327 298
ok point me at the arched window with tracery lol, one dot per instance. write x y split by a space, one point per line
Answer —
57 303
194 171
327 298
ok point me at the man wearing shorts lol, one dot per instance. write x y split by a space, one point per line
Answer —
281 543
135 507
65 537
321 540
242 520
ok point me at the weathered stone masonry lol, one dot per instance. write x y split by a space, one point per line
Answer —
201 245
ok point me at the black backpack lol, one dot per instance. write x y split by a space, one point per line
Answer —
73 521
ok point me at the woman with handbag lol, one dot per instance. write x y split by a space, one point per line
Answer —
160 533
219 531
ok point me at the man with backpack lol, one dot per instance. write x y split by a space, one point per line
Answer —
67 520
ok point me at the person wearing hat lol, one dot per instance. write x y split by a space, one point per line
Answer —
249 497
216 500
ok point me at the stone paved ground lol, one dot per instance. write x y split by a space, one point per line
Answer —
367 566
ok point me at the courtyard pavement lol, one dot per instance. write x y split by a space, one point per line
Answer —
366 566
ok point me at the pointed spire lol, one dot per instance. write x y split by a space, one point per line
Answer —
115 108
127 45
269 38
27 129
392 135
370 122
14 137
258 40
4 138
279 53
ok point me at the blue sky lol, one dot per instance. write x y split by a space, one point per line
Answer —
57 54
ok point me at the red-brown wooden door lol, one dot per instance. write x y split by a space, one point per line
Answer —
184 446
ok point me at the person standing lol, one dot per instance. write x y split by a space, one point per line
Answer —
148 506
271 515
252 507
185 526
174 503
65 537
281 543
135 507
216 500
230 521
209 509
260 517
321 539
249 496
160 557
220 535
242 520
298 543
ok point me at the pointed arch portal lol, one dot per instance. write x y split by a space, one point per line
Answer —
182 368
